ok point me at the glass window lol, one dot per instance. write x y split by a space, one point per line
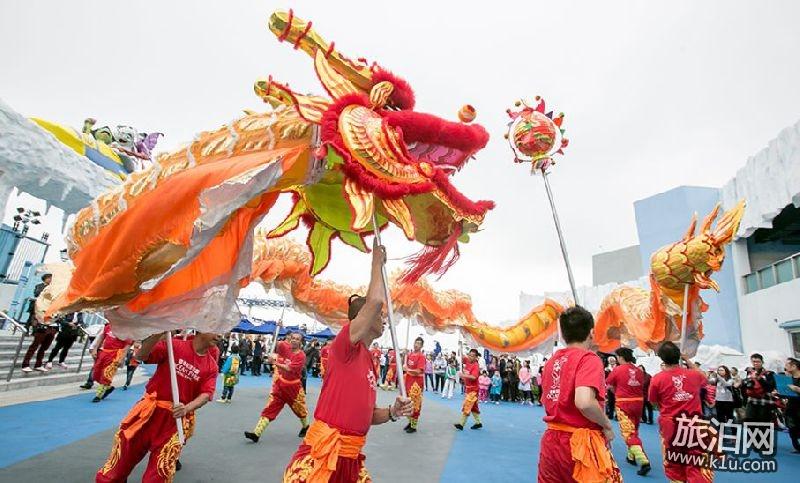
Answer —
797 265
795 343
784 270
751 282
767 276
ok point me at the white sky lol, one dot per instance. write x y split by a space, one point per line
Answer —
656 94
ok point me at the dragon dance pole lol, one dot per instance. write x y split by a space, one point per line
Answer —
401 383
278 326
560 237
173 380
684 317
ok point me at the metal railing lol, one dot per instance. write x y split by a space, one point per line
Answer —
23 333
83 352
781 271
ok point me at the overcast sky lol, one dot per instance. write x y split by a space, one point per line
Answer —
656 94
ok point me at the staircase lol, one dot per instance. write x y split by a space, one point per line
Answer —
57 375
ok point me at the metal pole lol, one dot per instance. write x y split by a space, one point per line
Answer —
83 352
408 334
401 383
16 356
685 315
173 379
560 237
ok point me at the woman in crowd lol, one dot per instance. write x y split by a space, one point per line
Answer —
429 384
439 370
450 380
724 402
525 383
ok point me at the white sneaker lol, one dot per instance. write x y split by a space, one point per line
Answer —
41 369
27 369
63 365
49 365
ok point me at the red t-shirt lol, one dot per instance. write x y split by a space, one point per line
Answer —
627 381
472 369
110 342
376 356
196 374
416 361
677 390
296 361
567 369
347 399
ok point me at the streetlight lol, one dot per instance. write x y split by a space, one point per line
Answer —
24 218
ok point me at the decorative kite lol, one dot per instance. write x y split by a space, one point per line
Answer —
172 245
672 309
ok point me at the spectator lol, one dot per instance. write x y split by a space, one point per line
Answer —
759 385
131 363
46 279
724 396
483 386
492 365
513 379
43 335
258 357
230 376
245 351
450 379
647 410
525 383
68 333
439 369
537 386
429 384
312 358
497 387
738 394
792 368
611 363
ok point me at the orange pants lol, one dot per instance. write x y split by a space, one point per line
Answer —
284 393
681 472
106 365
391 375
470 402
556 464
159 437
348 470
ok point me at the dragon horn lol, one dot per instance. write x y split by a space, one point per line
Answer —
708 220
728 225
690 231
299 32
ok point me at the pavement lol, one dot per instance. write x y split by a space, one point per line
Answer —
67 439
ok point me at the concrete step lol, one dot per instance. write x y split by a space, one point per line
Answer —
40 379
72 359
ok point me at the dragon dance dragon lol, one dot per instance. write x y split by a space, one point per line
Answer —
188 220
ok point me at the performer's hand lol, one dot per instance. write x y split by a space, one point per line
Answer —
378 253
179 410
93 352
609 434
403 406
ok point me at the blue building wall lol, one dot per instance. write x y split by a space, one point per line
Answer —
660 220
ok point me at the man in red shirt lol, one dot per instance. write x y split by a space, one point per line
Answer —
469 377
391 373
415 382
150 425
627 382
108 357
331 451
575 445
376 353
287 388
676 391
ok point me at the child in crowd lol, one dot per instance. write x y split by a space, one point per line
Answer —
483 386
230 376
450 380
497 387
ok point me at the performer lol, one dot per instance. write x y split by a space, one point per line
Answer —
107 359
391 374
627 382
150 425
415 382
288 363
676 391
324 353
331 452
469 375
575 445
376 359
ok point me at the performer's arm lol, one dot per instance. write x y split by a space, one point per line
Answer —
180 410
587 403
370 313
402 407
98 343
147 346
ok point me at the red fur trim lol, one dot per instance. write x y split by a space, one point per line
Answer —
403 95
433 260
431 129
461 202
288 28
302 34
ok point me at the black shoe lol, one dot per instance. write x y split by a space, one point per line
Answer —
85 386
108 391
407 426
178 465
644 469
302 433
411 430
476 426
251 436
631 461
459 427
125 388
96 399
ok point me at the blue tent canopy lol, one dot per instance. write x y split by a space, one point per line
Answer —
262 327
323 334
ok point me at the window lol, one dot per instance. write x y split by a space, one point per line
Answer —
767 276
751 283
784 270
795 336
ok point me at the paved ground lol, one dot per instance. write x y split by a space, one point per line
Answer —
67 439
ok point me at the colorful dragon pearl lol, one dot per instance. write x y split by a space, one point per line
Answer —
535 135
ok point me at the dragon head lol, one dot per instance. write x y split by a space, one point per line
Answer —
695 257
378 155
